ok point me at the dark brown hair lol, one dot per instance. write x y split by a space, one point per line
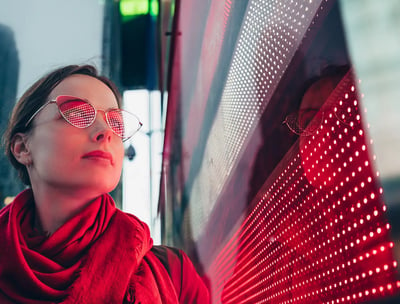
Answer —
35 97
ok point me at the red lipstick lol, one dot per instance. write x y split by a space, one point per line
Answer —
98 154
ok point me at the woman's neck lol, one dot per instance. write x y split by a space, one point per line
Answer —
54 207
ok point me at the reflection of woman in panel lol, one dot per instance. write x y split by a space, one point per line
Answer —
310 117
63 239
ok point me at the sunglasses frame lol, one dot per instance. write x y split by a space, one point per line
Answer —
56 100
292 120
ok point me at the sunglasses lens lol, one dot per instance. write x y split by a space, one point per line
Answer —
76 111
123 123
116 122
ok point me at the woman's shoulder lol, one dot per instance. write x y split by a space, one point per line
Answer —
168 255
188 283
172 259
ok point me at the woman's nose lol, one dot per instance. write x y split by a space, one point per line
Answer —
101 131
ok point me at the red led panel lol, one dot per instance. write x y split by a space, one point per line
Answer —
317 232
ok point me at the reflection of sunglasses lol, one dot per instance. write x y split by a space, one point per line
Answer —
304 122
81 114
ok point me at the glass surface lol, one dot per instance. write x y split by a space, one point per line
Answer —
270 180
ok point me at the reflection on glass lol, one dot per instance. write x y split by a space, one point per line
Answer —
317 232
274 217
304 122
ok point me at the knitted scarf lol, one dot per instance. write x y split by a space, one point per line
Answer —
95 257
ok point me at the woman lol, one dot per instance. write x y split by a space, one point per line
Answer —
63 240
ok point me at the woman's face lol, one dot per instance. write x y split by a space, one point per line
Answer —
69 158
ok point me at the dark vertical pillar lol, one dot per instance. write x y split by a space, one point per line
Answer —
9 70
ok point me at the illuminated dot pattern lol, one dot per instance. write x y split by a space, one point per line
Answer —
317 231
271 33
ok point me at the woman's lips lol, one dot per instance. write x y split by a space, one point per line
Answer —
98 154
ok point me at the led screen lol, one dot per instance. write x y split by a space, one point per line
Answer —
270 182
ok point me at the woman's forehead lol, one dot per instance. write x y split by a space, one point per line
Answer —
86 87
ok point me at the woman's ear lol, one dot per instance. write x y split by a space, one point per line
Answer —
20 149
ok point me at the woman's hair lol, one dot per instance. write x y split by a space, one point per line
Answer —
35 97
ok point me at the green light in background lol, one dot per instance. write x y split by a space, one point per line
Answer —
154 8
131 8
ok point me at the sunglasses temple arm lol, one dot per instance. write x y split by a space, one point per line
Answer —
37 111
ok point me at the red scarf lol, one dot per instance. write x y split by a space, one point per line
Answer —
95 257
